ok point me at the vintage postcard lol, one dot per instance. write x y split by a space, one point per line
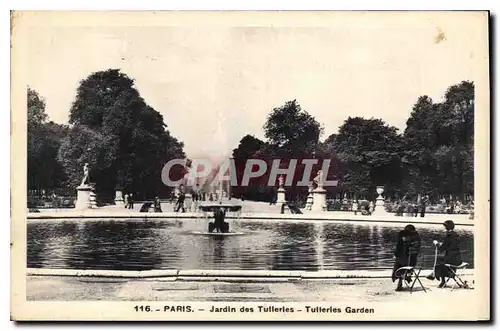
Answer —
218 166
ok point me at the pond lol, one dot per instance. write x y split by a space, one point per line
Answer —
176 244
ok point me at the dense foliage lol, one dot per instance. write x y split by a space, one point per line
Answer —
434 155
124 140
126 143
45 172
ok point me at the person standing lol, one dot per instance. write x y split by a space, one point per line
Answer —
196 198
131 201
355 207
452 207
157 205
423 204
458 207
415 210
126 201
180 202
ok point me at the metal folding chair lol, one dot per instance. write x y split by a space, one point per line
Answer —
408 272
457 271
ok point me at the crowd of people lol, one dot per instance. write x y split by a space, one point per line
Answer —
411 207
406 207
177 199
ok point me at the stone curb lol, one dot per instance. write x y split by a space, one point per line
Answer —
460 220
101 273
207 275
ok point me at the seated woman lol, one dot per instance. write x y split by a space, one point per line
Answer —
451 248
406 252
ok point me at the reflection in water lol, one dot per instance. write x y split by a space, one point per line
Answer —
170 244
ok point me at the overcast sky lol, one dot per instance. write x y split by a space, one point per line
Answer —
215 83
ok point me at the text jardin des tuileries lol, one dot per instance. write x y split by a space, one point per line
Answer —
286 309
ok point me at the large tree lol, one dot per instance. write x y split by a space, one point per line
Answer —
423 134
292 130
125 140
439 144
370 151
460 104
292 133
44 139
249 147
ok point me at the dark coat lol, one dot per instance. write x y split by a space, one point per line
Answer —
407 250
408 245
399 251
451 248
181 198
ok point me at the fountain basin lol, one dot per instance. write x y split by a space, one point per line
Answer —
140 245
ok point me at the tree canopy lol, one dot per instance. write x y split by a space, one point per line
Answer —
434 155
290 129
439 144
125 141
44 140
370 151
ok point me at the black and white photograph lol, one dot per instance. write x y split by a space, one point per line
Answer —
250 165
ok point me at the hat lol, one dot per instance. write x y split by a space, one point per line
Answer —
410 228
449 225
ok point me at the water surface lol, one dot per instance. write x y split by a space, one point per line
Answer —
176 244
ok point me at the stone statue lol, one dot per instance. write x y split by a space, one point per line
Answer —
281 180
319 179
85 179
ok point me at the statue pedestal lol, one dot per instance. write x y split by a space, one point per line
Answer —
380 208
319 199
119 202
85 198
188 202
93 200
281 196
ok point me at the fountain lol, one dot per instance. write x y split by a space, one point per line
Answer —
219 209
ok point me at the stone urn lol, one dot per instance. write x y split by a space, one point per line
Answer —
379 203
380 191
